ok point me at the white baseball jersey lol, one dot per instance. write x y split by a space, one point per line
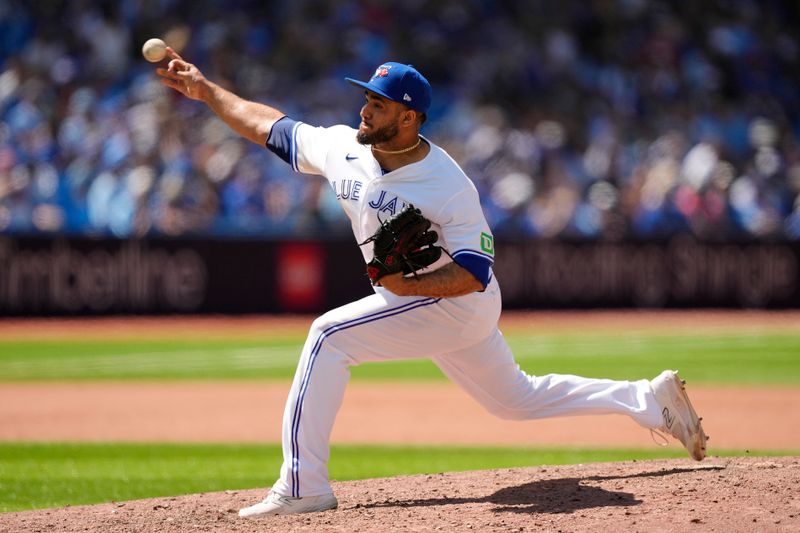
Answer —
458 334
436 186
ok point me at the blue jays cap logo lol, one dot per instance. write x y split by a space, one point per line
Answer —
381 72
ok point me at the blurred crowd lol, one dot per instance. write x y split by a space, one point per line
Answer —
604 119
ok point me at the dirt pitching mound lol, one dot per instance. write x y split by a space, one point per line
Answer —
719 494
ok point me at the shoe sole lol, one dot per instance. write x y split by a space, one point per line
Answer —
697 436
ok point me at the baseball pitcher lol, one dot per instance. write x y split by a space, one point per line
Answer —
429 254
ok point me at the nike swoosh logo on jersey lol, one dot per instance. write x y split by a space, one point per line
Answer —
350 157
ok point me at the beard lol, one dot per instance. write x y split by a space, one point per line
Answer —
381 135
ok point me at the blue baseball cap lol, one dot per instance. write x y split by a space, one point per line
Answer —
400 83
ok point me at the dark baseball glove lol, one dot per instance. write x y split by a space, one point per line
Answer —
402 243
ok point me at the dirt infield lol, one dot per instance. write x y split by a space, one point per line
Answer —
725 495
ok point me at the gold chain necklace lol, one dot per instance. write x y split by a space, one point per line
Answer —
404 150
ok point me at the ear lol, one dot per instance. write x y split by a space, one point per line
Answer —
408 117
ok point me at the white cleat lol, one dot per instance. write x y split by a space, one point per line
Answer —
680 419
275 504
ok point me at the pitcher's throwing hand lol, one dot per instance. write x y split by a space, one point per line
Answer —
182 76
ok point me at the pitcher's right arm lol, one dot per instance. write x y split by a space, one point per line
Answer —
251 120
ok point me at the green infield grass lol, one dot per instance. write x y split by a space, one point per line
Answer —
746 357
39 475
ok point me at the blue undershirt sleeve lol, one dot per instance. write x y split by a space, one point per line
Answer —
281 139
476 264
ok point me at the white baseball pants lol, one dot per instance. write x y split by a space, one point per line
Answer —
460 335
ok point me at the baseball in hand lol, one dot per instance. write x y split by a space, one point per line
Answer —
154 50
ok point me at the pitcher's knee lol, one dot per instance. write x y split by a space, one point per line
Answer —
322 331
326 342
322 325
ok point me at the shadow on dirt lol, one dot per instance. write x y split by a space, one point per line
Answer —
550 496
557 496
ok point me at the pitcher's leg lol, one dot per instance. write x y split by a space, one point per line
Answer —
308 422
488 372
371 329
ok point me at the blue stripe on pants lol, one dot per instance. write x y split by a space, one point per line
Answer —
298 409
